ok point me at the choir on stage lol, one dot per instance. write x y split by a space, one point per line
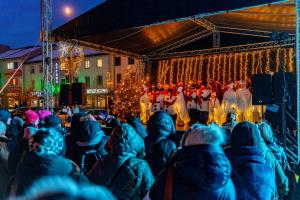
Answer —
196 102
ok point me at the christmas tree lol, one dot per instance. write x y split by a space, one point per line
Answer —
127 95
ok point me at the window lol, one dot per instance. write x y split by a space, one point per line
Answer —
100 62
63 81
10 65
32 70
108 76
100 80
87 81
14 81
76 80
41 69
130 61
87 64
119 78
117 61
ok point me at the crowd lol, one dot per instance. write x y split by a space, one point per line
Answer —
40 160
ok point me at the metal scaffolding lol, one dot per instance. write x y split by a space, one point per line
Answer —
46 29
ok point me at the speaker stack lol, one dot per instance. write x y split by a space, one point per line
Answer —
74 94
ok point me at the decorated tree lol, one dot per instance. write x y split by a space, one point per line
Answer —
126 100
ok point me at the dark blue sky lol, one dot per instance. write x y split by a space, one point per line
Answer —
20 19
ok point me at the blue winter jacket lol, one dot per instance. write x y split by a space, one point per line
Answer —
252 176
200 172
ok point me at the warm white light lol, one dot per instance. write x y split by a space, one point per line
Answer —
68 11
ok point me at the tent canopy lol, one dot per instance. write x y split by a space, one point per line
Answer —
145 26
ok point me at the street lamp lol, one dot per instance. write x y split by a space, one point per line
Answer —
68 11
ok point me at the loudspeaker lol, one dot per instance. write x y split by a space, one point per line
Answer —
291 86
79 94
262 89
64 95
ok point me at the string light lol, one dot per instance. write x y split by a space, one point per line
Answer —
277 59
241 66
229 67
172 70
183 70
219 66
291 60
207 69
200 67
192 69
187 70
246 65
253 63
235 68
224 68
178 69
213 67
268 52
195 68
285 59
260 56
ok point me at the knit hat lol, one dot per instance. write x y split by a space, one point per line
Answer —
30 116
52 121
90 133
46 142
246 134
43 114
4 115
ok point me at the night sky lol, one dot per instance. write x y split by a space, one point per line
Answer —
20 19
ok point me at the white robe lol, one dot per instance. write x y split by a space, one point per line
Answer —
244 103
215 111
157 104
181 108
229 101
170 109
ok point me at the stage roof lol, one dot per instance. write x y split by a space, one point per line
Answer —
145 26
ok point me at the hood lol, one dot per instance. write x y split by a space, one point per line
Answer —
204 166
4 115
160 125
34 166
136 123
124 141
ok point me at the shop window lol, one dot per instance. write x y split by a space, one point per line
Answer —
100 62
16 65
117 61
119 78
10 65
130 61
41 69
100 80
87 81
87 64
32 70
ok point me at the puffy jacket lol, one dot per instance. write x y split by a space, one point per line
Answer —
159 147
122 171
199 172
252 175
4 174
33 167
138 126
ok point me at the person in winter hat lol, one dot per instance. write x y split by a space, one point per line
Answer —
198 170
64 188
137 124
158 145
90 138
253 177
42 160
277 150
14 130
52 121
43 114
5 116
4 153
31 118
123 170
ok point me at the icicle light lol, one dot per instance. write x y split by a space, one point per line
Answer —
291 60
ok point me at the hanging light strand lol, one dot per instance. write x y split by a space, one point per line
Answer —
208 68
278 59
268 52
246 65
260 57
229 67
214 66
195 68
253 63
285 59
200 68
291 60
235 67
241 66
171 70
218 69
183 66
224 68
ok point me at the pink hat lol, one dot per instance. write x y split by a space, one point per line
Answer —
30 116
43 113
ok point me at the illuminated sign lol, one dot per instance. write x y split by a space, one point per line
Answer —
56 77
37 94
97 91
